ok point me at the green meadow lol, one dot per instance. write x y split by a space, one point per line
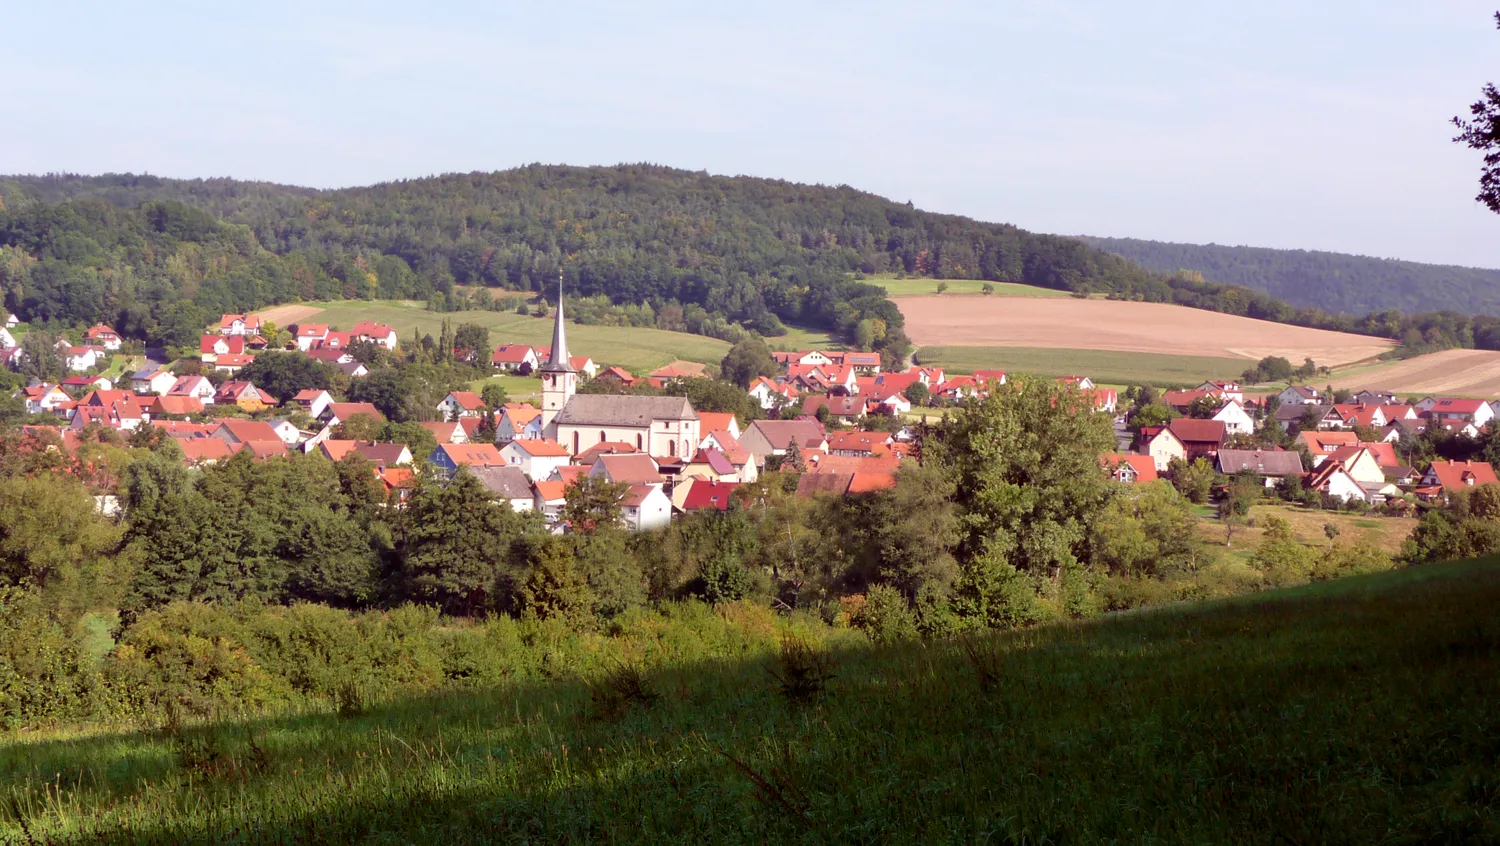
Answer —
1361 710
916 287
635 349
1103 366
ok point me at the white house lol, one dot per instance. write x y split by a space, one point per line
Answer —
193 386
768 394
1163 445
314 401
310 335
377 333
44 398
103 336
289 434
152 380
6 339
79 359
1335 481
239 324
645 507
1235 419
518 421
460 404
537 457
1455 410
1300 395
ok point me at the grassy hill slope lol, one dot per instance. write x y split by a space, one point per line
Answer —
1354 711
1335 282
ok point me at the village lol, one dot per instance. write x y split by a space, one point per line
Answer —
836 417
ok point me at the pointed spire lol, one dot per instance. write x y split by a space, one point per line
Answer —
559 361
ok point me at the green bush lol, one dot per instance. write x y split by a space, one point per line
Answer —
45 678
884 616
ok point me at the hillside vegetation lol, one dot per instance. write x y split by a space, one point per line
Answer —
1335 282
1354 711
715 255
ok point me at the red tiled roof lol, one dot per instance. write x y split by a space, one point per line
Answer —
1144 465
706 494
1190 430
541 448
1456 475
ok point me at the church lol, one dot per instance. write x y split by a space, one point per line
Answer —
663 427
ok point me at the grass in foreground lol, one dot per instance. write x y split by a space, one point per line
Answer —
1103 366
1357 711
637 350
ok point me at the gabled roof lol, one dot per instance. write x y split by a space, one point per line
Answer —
709 495
1190 430
590 455
638 494
385 454
204 449
99 330
234 359
781 434
250 321
479 455
1456 475
1143 465
624 411
337 449
467 400
235 344
540 448
369 329
520 413
441 431
1454 405
344 410
856 441
176 405
837 406
619 373
504 482
312 330
1318 479
630 469
715 460
550 491
235 390
248 431
512 354
309 395
813 484
1273 462
1322 443
709 421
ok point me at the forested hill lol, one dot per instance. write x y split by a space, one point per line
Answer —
753 252
1335 282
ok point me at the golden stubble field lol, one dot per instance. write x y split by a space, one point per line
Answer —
1473 373
1124 327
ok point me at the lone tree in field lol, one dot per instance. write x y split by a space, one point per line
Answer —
1482 132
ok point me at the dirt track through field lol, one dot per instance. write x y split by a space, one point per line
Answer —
1122 326
287 314
1472 373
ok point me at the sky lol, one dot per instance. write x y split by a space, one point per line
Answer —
1311 125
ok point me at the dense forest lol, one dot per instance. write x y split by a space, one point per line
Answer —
158 258
1335 282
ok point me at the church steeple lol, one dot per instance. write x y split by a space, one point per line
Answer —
559 362
559 378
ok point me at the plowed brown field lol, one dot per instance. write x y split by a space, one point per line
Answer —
1122 326
1472 373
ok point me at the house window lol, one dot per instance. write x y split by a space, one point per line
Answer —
640 441
575 443
672 448
602 437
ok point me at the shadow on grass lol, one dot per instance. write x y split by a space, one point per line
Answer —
1360 711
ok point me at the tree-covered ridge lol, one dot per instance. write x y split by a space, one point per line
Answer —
753 251
1334 282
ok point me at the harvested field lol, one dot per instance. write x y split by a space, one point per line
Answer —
286 314
1070 323
1104 367
1471 373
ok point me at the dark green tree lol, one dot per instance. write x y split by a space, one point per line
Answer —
747 360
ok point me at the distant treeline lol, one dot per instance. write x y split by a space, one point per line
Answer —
158 258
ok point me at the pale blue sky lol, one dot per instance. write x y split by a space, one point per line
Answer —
1319 125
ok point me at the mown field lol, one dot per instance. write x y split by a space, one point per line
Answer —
1355 711
1103 366
1463 373
637 350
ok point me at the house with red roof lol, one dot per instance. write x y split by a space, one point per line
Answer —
309 335
515 357
708 495
100 335
536 457
460 404
770 395
1445 478
44 398
447 458
339 412
314 401
806 358
1130 468
628 469
239 324
842 409
244 395
1200 438
375 333
619 376
518 421
233 431
200 451
1457 410
645 507
80 385
233 362
1162 445
79 359
855 444
1332 479
210 347
180 406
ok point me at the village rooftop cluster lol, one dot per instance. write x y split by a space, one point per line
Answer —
672 458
